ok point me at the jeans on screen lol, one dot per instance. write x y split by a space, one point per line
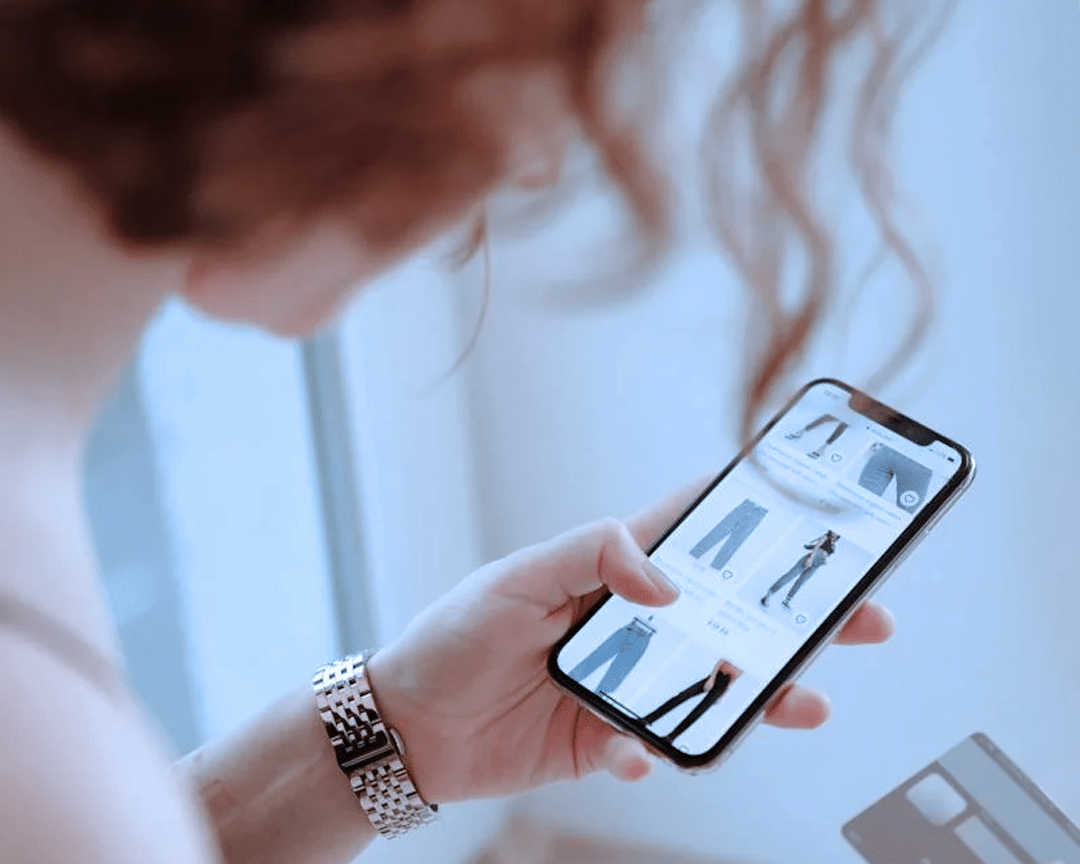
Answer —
804 568
732 530
623 649
912 479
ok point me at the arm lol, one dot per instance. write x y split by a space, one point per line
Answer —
274 792
466 686
82 779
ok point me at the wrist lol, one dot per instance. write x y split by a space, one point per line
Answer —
391 693
385 682
434 761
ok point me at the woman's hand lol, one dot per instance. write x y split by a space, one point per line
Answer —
467 684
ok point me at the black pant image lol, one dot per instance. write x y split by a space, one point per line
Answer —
695 689
841 428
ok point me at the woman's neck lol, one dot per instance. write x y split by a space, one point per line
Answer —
72 308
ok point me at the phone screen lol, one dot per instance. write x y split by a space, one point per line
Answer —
768 561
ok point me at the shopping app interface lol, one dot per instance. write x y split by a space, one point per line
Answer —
761 562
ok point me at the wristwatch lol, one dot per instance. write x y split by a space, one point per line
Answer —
367 750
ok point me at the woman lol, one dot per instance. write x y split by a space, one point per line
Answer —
818 556
261 160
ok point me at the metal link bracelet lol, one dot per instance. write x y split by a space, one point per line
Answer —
367 750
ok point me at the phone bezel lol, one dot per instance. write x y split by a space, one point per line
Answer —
879 413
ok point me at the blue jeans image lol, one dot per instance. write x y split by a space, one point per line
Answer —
623 649
912 479
733 530
695 689
801 572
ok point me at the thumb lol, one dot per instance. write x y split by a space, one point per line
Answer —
624 568
626 758
603 554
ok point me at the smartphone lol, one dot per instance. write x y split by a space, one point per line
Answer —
771 560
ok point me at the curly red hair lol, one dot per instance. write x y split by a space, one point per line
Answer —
204 121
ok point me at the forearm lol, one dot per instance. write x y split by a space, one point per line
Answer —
274 792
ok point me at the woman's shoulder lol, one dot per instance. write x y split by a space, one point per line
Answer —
49 569
24 620
83 777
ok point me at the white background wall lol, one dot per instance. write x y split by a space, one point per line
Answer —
577 417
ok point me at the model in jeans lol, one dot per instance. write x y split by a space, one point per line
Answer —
804 568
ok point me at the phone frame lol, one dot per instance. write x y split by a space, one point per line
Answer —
817 640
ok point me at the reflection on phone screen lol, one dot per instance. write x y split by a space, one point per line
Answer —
759 568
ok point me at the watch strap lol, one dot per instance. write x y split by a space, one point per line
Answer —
368 751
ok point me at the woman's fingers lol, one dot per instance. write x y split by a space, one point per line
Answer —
582 561
622 566
803 708
599 747
626 758
799 708
872 623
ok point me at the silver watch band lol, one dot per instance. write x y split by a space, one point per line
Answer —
369 752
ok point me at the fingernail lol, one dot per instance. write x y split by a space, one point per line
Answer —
657 577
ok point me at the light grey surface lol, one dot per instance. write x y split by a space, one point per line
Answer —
981 840
936 799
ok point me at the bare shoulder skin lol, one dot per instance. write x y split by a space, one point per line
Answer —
87 782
